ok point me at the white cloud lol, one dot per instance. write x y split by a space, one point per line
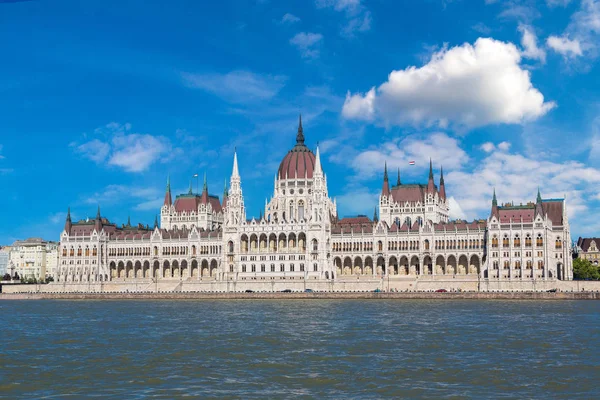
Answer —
357 16
529 43
237 86
582 34
133 152
467 86
360 107
117 194
456 211
504 146
1 156
565 46
289 19
307 43
488 147
397 153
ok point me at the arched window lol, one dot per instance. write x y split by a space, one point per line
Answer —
291 267
528 240
301 210
281 268
253 268
494 241
64 252
155 251
505 242
301 267
426 244
262 268
272 267
407 221
243 267
380 246
517 241
539 241
315 245
230 244
558 243
79 252
193 250
315 267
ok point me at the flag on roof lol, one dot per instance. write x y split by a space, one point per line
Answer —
411 163
195 175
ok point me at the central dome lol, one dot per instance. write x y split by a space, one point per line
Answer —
299 161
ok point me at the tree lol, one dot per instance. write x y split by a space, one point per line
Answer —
49 279
6 277
584 269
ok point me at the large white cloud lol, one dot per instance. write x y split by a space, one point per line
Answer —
466 86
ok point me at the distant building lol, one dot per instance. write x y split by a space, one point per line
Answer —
31 258
589 249
4 256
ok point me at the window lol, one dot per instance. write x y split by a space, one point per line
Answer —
539 241
282 268
505 242
262 268
301 267
231 268
558 244
243 267
426 244
291 267
315 267
272 267
253 268
528 241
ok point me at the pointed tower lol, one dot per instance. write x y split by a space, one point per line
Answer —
539 210
225 194
495 206
430 182
190 191
375 218
128 221
68 223
442 185
204 198
155 221
235 199
98 221
398 183
168 201
300 135
385 190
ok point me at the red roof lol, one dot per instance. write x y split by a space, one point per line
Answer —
411 193
299 162
554 210
189 203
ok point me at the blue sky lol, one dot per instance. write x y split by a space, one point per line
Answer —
101 100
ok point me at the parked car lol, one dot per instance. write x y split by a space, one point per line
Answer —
249 291
441 291
377 290
308 291
551 291
286 291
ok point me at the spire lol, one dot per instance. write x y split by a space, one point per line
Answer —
204 198
398 183
539 210
155 221
386 185
235 172
430 183
495 206
68 223
318 169
225 194
128 220
190 189
442 186
375 218
539 196
168 201
98 221
300 135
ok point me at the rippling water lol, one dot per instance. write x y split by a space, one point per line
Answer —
300 349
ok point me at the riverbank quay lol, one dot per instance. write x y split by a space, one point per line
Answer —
307 296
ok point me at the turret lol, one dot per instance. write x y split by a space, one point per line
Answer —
375 218
430 183
385 190
68 223
204 198
442 186
155 221
225 194
300 134
98 221
398 183
168 201
495 205
539 210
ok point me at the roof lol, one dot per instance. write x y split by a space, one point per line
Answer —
553 208
191 202
584 243
299 161
411 193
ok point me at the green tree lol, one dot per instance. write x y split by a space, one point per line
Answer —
584 269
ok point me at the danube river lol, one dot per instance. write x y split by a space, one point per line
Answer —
300 349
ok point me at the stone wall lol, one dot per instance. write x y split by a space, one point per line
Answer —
421 284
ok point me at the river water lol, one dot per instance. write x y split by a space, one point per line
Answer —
338 349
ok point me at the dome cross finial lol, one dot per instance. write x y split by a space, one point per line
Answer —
300 135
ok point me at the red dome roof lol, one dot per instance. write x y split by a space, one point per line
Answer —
299 161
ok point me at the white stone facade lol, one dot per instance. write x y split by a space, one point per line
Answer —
300 237
33 258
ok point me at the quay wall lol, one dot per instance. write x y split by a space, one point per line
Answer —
349 285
